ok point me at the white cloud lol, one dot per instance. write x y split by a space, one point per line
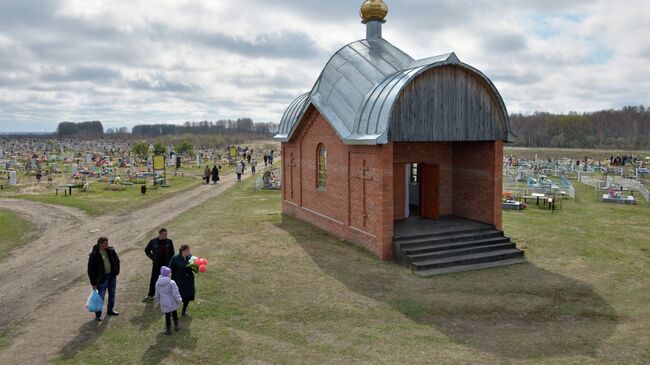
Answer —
135 61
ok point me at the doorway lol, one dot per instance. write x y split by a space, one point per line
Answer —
413 189
416 190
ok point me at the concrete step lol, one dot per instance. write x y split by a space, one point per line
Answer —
454 245
449 238
442 232
461 268
475 258
460 251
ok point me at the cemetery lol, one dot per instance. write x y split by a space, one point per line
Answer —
392 219
99 176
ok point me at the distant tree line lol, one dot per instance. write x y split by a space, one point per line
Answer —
120 130
86 129
242 125
627 128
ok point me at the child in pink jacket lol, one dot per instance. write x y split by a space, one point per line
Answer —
168 297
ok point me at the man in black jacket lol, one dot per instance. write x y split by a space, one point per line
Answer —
103 269
160 250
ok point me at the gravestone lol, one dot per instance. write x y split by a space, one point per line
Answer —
12 178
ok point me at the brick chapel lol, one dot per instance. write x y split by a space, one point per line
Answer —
384 140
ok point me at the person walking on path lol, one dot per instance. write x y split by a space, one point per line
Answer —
215 174
103 269
266 159
206 174
169 298
183 275
270 158
253 164
239 170
160 250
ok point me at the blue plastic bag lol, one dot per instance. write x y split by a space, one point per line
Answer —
95 303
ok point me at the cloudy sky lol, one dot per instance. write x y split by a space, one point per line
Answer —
127 62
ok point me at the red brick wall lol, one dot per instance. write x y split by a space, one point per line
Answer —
399 190
436 153
498 185
477 181
361 207
352 206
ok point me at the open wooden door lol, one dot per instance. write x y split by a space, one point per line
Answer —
429 180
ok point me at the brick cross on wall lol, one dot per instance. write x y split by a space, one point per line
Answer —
364 177
292 164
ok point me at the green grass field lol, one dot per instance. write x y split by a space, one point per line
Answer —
14 232
98 200
280 291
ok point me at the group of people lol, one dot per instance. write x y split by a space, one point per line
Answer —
622 160
240 169
171 283
214 174
268 159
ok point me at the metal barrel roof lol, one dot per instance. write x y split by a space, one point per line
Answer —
358 87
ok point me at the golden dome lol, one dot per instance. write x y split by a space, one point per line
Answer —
373 10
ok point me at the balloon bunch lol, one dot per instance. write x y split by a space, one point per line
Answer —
198 264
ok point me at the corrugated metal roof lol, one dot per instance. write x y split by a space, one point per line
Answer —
358 87
291 115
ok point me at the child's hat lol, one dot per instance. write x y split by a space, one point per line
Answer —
165 271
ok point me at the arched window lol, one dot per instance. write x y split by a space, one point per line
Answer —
322 167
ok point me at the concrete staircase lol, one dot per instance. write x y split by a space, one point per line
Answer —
455 249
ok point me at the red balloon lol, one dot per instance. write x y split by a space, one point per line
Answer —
202 268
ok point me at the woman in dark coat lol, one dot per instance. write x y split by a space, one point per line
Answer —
183 275
215 174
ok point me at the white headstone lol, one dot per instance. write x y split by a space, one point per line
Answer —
2 154
75 170
12 178
89 158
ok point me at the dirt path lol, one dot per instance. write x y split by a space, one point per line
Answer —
43 285
44 217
